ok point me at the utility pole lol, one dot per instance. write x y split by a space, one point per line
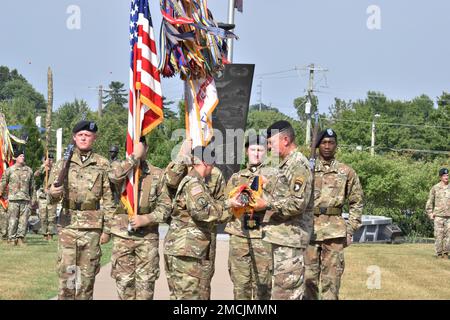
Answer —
372 145
308 105
100 99
260 94
231 5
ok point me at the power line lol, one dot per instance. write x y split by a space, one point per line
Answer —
388 123
396 149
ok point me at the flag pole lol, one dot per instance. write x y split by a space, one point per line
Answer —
231 11
137 136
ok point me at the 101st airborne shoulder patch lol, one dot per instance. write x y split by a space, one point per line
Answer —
298 184
201 202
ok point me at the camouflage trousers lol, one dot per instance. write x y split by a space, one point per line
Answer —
4 218
79 256
19 212
288 273
188 277
249 265
442 235
47 215
135 267
325 266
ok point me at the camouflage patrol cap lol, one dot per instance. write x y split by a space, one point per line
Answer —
90 126
443 171
204 153
327 133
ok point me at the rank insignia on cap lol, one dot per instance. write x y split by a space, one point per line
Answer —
330 132
91 126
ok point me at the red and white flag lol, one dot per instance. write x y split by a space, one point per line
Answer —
145 88
201 100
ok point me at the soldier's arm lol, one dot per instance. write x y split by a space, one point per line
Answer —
108 206
220 196
4 182
51 180
39 171
200 204
176 171
163 209
429 207
295 202
355 196
118 171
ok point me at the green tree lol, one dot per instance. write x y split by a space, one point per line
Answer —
300 103
116 94
34 150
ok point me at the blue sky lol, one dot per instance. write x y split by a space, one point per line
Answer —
407 57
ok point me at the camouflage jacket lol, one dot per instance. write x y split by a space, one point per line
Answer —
439 201
288 194
336 183
40 174
194 217
236 226
87 199
115 188
19 181
153 200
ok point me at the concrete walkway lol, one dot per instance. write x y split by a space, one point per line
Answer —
221 286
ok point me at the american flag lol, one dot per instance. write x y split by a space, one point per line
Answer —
145 87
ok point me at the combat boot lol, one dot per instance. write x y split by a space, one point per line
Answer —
445 256
21 242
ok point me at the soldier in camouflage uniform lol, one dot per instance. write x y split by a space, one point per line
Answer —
193 220
174 173
87 204
250 258
438 210
335 183
3 223
21 195
47 212
289 224
135 256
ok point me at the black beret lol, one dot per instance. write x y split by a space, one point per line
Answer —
85 125
327 133
255 140
114 149
51 156
204 153
443 171
278 127
18 152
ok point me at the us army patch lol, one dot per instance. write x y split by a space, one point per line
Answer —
201 202
298 184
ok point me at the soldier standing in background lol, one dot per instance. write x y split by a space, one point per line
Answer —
289 224
335 184
114 163
438 210
21 196
84 215
135 256
47 211
250 258
3 224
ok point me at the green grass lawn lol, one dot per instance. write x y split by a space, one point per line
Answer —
408 272
29 272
